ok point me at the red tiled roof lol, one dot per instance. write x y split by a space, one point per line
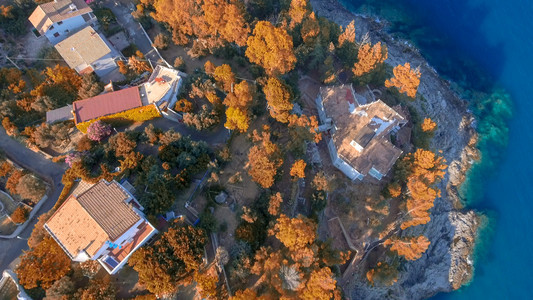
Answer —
106 104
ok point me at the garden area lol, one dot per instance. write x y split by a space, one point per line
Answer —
20 191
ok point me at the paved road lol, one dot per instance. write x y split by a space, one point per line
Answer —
132 27
10 249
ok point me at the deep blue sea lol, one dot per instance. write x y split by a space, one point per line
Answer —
485 45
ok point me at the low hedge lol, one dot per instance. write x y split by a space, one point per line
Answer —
139 114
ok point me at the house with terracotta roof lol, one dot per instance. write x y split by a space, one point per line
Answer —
58 18
106 104
88 51
358 134
102 222
160 90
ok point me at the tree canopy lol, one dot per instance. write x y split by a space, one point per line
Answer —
405 79
272 48
171 259
279 99
43 265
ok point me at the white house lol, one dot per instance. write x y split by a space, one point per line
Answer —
102 222
58 18
358 133
86 51
161 88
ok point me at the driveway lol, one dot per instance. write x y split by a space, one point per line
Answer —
133 28
10 249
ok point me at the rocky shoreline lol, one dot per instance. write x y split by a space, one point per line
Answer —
448 262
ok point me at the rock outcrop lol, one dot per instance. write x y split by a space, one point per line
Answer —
447 264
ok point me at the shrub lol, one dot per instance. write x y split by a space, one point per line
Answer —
204 119
31 188
72 158
84 144
139 114
98 130
179 64
20 215
161 41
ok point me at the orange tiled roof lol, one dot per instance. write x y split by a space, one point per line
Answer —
86 221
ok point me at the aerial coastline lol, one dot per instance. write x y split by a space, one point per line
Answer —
317 156
459 149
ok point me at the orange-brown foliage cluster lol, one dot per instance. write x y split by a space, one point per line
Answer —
183 105
274 204
320 182
295 233
297 11
410 248
405 79
271 48
238 103
395 190
369 57
224 76
428 125
320 286
310 29
213 22
426 169
348 35
264 159
298 169
311 123
278 96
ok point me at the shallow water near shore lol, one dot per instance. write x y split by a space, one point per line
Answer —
485 46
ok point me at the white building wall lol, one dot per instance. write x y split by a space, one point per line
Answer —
68 26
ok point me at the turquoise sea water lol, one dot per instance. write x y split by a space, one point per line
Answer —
485 45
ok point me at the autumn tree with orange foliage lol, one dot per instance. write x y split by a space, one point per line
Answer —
308 124
213 22
43 265
271 48
300 268
209 67
297 234
426 169
348 35
274 204
297 11
405 79
320 182
298 169
428 125
206 284
278 96
346 49
238 103
183 105
410 248
310 29
320 286
264 159
369 58
138 64
247 294
224 76
394 189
